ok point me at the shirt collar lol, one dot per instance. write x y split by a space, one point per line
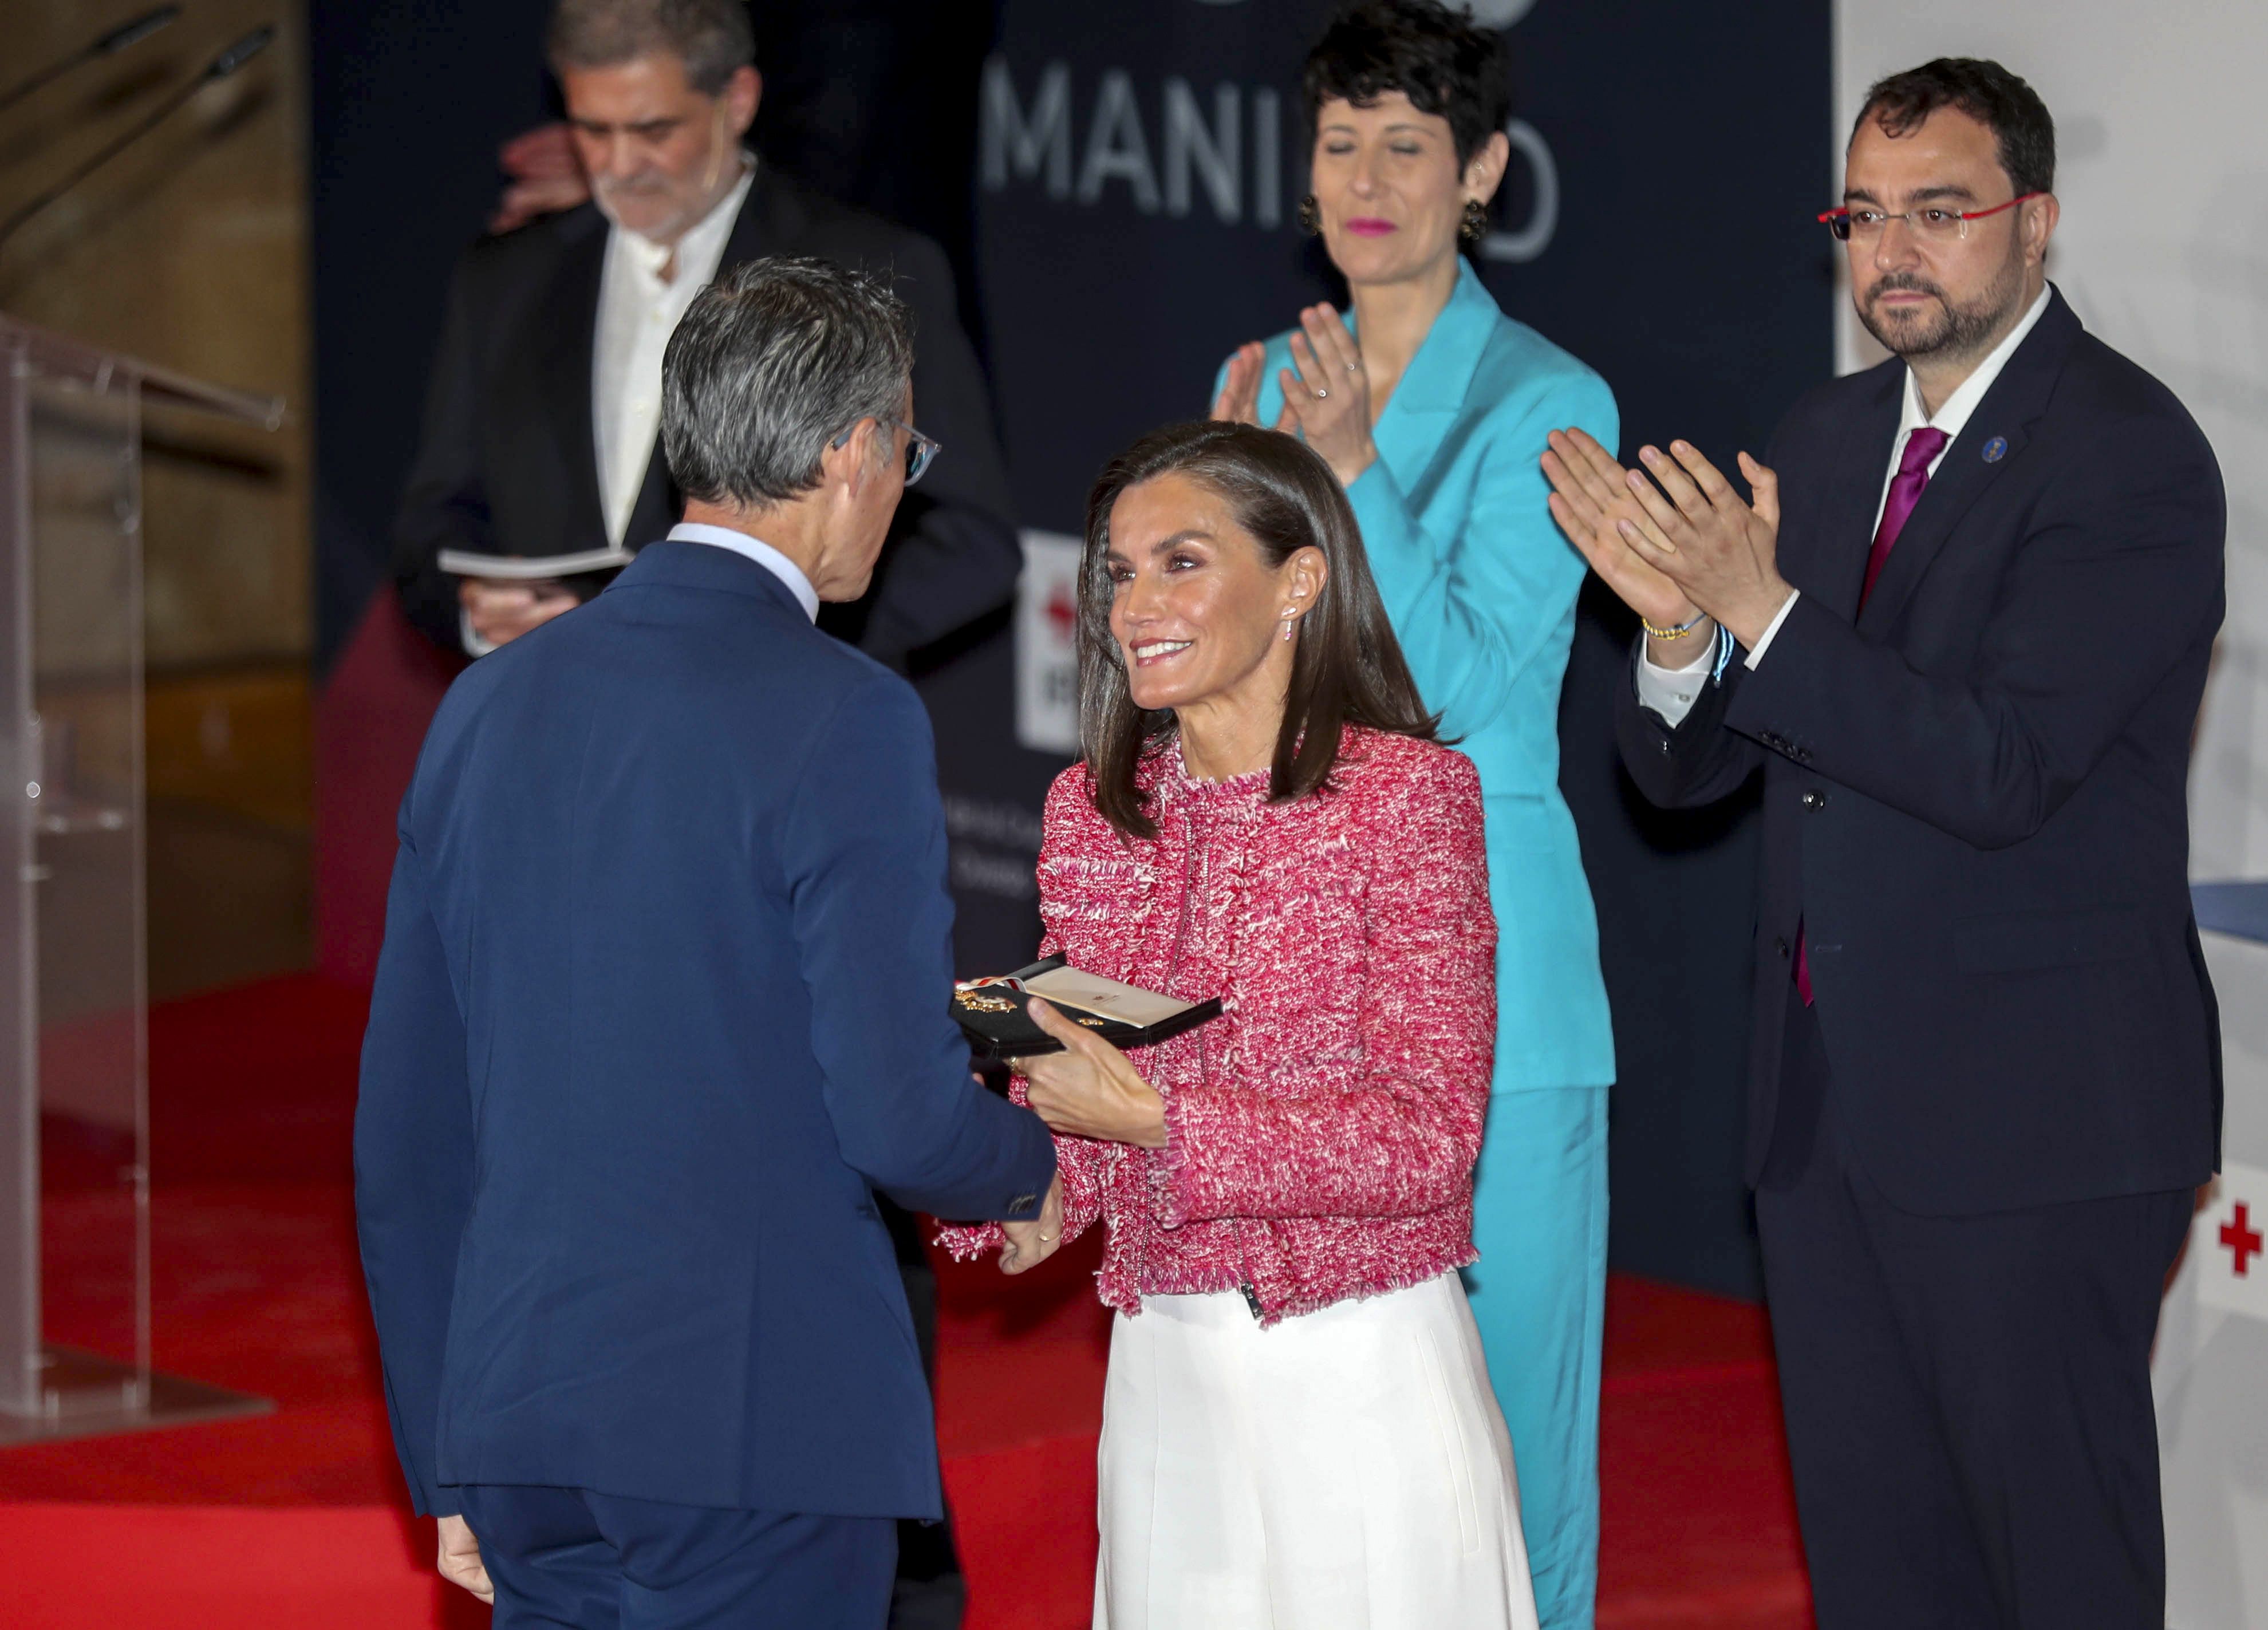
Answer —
757 550
1952 415
701 246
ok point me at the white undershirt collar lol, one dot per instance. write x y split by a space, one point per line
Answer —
757 550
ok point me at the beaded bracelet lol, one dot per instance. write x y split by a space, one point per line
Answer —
1678 632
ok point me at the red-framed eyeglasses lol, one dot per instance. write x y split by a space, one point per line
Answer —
1931 221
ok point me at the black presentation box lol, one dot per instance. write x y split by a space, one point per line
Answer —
994 1015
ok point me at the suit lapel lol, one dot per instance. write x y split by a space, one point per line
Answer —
1425 404
569 344
764 223
1993 441
1836 568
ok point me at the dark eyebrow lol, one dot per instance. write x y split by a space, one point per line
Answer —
600 127
1188 534
1920 194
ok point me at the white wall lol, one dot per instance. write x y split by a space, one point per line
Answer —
2162 173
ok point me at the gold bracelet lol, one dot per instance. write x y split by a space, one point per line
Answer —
1677 633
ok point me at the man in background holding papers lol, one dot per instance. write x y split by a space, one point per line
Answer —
539 434
664 1004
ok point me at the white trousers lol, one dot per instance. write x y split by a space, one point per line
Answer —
1348 1470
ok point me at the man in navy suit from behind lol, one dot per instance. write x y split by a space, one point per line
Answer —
1963 628
664 1003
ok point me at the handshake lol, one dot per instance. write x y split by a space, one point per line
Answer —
1090 1089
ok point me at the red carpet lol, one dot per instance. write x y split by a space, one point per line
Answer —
297 1520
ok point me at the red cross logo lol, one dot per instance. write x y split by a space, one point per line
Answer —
1063 613
2244 1242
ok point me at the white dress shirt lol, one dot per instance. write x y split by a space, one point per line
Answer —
1670 692
637 312
757 550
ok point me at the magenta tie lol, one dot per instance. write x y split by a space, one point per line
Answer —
1905 492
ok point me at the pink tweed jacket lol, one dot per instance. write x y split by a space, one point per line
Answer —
1321 1133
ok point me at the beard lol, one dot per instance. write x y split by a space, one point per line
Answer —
1951 329
649 205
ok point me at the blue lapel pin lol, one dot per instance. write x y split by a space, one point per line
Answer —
1996 450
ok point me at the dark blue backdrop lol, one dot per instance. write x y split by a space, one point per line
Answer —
1118 180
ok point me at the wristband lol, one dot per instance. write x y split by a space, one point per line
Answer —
1678 632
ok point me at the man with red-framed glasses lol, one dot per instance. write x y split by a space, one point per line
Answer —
1961 623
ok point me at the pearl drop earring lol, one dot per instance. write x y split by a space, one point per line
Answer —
1289 624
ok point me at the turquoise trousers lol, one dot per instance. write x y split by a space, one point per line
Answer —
1539 1295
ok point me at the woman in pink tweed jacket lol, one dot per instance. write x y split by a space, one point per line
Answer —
1298 1429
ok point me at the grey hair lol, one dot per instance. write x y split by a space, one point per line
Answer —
772 362
712 38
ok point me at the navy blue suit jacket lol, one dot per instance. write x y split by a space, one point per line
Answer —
664 998
1975 790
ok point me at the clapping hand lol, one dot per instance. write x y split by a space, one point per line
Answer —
1239 400
1326 401
1688 545
1091 1090
1591 499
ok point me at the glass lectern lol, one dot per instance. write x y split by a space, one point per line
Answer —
74 1113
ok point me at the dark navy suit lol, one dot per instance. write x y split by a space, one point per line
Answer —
1974 1151
664 1001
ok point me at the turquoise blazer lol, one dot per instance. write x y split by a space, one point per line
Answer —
1481 588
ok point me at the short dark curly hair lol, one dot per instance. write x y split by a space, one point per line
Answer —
1441 60
1987 92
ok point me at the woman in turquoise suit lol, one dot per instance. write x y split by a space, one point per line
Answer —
1432 407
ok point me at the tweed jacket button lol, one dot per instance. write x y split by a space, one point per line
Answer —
1814 799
